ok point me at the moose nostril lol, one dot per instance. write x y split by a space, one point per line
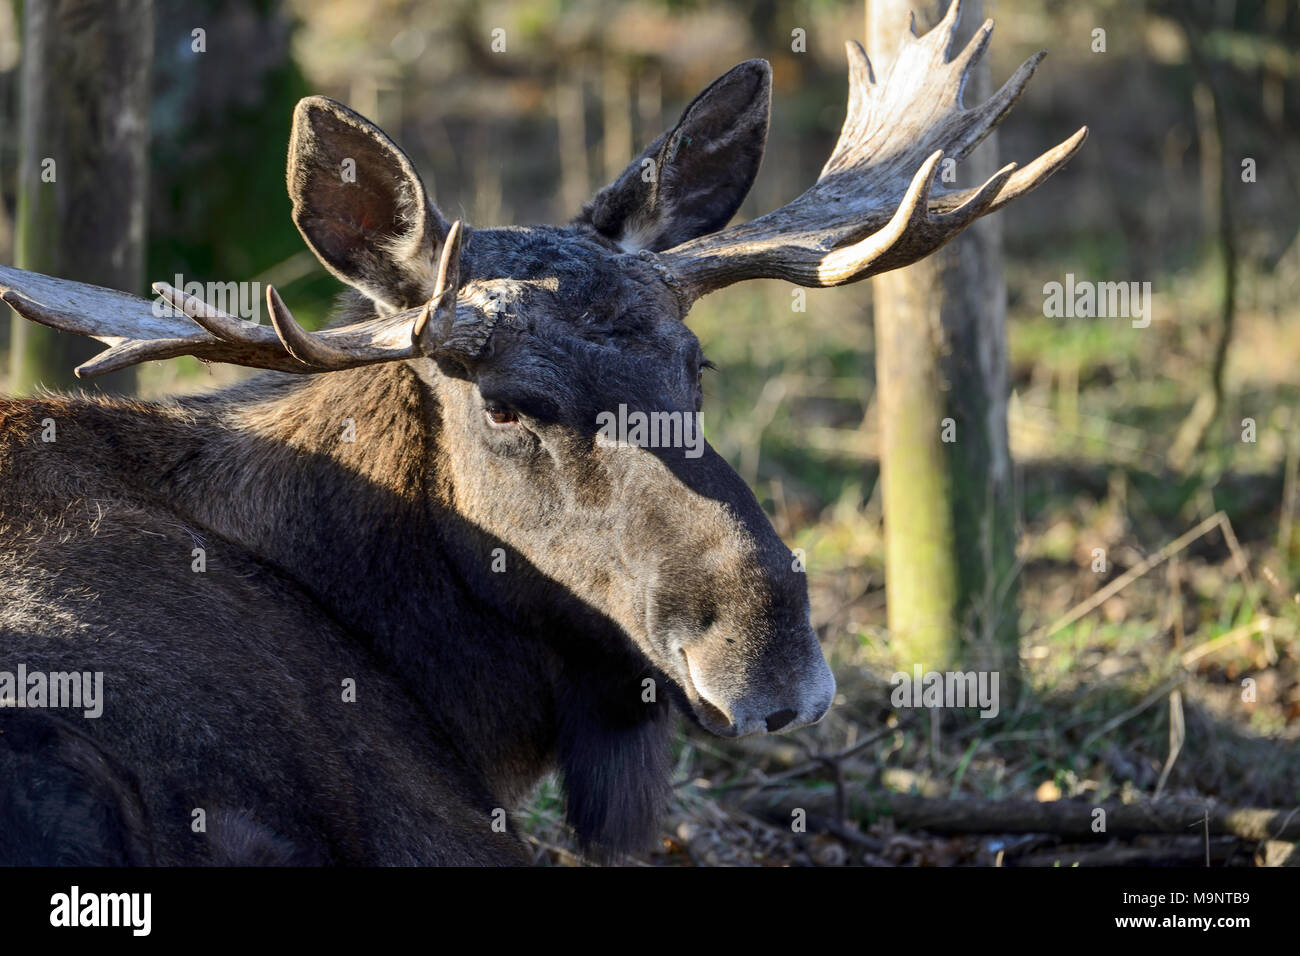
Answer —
779 719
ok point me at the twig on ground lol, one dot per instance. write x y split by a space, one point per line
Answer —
817 761
1177 734
1175 681
1259 625
1218 519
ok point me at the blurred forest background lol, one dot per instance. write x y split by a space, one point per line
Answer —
1136 691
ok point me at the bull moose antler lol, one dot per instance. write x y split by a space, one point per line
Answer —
876 206
136 333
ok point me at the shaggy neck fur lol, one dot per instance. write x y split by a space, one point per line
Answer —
515 672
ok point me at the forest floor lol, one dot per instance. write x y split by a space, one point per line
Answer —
1181 686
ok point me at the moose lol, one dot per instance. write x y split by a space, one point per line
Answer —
352 609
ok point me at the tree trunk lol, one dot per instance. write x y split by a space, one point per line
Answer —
1217 174
941 370
83 166
571 123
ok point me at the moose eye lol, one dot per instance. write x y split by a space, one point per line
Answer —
500 415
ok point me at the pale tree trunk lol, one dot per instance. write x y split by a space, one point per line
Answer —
949 506
83 166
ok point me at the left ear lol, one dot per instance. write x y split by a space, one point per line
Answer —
361 206
691 180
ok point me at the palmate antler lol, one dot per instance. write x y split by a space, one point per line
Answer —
134 332
876 205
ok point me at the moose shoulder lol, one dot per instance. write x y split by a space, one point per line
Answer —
352 610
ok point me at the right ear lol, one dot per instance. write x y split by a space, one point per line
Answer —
692 179
361 206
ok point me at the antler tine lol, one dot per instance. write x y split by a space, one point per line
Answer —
876 206
908 223
1029 177
439 313
304 346
233 331
210 318
843 265
132 353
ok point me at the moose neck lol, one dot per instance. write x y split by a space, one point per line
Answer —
335 479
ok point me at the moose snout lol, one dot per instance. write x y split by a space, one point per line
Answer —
736 693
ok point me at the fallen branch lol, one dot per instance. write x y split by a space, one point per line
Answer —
1066 818
1217 520
1177 852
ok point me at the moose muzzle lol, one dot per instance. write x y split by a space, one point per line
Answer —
738 689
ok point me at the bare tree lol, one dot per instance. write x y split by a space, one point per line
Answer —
83 165
1216 199
941 369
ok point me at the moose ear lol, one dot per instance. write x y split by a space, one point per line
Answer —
361 206
691 180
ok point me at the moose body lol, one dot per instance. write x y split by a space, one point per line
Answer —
223 689
352 610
